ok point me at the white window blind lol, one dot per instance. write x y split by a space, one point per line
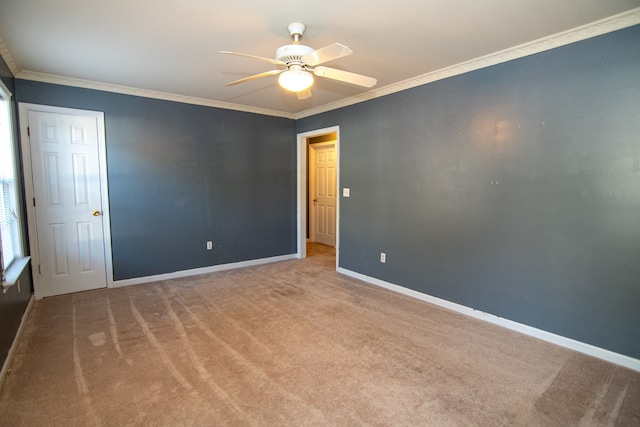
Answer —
9 218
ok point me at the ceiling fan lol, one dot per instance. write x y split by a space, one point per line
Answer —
300 63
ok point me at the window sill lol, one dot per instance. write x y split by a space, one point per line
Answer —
14 272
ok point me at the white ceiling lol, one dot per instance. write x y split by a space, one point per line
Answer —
171 47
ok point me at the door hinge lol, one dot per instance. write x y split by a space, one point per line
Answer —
39 269
34 202
28 131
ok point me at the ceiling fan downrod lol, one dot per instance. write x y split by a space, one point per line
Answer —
296 29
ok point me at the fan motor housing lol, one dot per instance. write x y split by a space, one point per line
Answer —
292 53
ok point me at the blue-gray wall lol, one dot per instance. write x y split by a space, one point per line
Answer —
513 189
13 303
181 174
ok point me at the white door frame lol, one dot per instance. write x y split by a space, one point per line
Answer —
24 109
303 147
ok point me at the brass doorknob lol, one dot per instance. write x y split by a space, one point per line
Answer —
315 200
95 213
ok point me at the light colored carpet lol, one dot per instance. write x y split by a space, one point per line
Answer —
294 343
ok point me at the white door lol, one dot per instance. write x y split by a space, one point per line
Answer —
323 204
68 203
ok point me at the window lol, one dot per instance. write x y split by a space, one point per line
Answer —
10 226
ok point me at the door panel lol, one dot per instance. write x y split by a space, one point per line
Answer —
68 202
324 203
80 180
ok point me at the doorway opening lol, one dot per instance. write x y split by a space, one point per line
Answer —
318 215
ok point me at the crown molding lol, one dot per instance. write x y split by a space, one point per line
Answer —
145 93
603 26
8 58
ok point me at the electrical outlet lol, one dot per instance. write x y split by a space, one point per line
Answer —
383 257
209 245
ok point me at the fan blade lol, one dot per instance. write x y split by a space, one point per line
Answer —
326 54
261 58
255 76
304 94
345 76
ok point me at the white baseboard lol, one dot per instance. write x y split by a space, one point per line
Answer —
591 350
203 270
14 345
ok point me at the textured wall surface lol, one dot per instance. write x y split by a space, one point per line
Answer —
180 175
514 189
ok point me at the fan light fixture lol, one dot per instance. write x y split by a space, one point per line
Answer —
295 80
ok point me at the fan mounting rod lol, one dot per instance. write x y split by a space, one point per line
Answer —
296 29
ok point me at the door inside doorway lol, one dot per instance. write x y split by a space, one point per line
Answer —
322 192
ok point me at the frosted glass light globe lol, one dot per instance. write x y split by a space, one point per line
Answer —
295 80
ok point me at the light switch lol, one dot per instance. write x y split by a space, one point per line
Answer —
346 192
